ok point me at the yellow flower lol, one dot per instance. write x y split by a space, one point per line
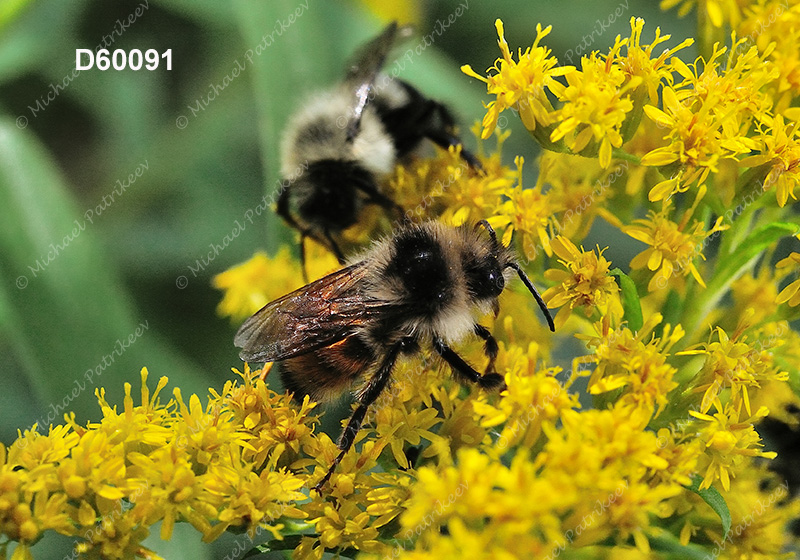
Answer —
345 515
586 283
780 400
781 156
460 428
791 293
755 294
728 442
718 12
732 362
760 509
681 452
607 455
522 85
251 285
578 185
485 503
632 362
639 62
259 500
173 462
533 396
403 425
530 212
31 499
276 428
695 145
772 26
446 188
673 247
116 536
705 117
596 104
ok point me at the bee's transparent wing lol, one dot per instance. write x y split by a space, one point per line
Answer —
314 316
365 66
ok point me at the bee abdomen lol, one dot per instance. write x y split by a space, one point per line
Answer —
331 200
326 373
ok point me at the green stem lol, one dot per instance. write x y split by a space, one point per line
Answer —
619 153
738 252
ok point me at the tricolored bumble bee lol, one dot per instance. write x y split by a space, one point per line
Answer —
348 137
423 285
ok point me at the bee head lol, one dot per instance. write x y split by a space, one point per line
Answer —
483 269
420 268
490 267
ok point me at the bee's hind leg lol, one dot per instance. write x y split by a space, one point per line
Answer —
443 136
369 395
334 246
377 197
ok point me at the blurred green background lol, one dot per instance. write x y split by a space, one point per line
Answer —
67 139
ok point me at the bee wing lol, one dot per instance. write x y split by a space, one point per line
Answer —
365 66
312 317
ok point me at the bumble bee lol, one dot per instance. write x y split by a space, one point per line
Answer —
424 284
346 138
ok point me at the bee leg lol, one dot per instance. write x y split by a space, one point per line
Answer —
334 246
368 396
445 140
443 136
377 197
303 257
463 370
490 347
282 210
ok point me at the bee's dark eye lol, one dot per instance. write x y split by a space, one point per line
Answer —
485 279
494 277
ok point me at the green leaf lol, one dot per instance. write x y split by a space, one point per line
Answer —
731 265
714 499
11 9
64 310
759 239
671 308
289 542
668 544
631 305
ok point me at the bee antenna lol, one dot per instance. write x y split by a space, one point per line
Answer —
489 229
532 288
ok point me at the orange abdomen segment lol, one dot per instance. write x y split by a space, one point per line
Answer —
328 372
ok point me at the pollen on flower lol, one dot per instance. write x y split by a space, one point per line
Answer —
673 247
530 213
790 295
523 84
446 188
731 362
729 441
596 104
585 284
635 365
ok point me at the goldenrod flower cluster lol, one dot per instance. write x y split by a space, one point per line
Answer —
224 464
633 432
